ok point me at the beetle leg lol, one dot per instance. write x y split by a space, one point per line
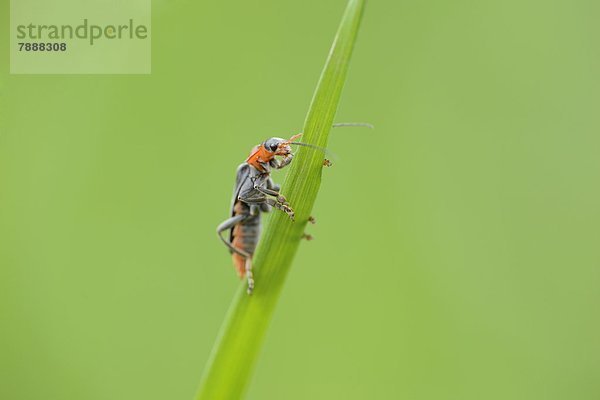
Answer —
261 183
249 276
272 202
283 207
269 192
253 200
229 224
272 185
285 160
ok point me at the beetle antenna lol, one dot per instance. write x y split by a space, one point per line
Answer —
338 125
315 147
312 146
353 124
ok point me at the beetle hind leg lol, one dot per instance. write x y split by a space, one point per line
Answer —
249 275
243 266
230 224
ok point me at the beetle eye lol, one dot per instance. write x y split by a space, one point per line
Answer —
274 146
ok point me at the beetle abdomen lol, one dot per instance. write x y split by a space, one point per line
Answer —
244 236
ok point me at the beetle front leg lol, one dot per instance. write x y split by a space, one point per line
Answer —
284 162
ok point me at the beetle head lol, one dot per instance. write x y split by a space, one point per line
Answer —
279 146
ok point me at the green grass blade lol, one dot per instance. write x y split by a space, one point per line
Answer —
235 352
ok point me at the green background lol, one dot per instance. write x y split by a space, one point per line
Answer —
456 251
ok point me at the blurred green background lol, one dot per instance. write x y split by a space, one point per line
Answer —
456 251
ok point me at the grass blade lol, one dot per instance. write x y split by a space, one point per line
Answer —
235 352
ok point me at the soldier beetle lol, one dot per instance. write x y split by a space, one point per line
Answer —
255 192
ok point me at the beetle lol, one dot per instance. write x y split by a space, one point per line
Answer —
255 192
